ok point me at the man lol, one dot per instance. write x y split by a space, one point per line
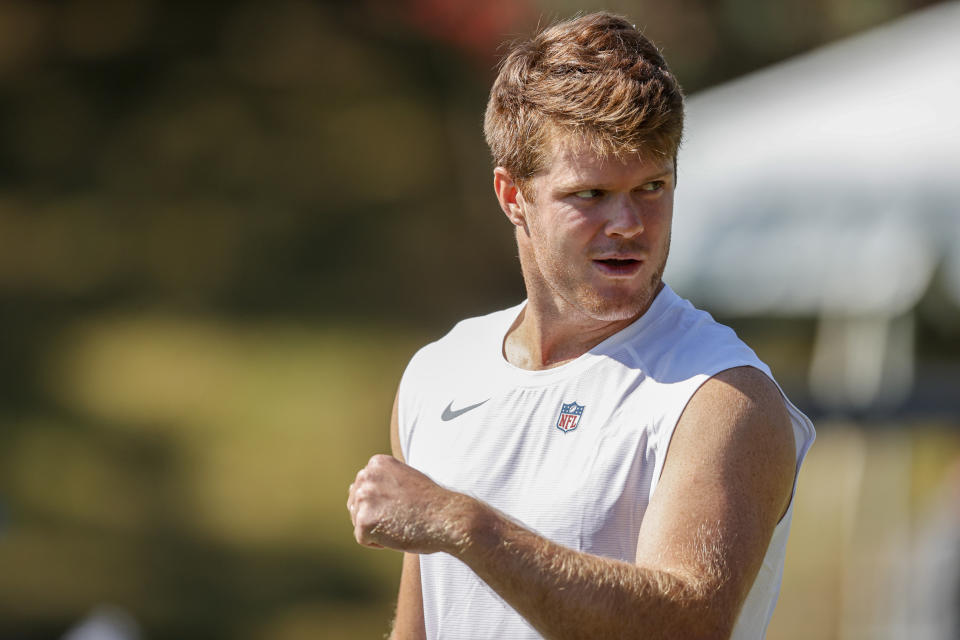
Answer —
603 460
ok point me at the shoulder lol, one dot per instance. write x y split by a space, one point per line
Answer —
733 451
742 394
468 352
468 341
738 419
686 342
463 356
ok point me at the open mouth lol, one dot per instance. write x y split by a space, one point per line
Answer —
619 266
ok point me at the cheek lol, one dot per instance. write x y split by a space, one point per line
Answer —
552 230
667 211
661 222
554 250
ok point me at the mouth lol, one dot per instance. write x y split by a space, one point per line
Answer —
619 267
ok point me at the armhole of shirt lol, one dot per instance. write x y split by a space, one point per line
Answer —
664 435
803 431
404 430
803 437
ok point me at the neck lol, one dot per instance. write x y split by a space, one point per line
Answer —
547 335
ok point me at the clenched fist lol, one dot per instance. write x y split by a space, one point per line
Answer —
393 505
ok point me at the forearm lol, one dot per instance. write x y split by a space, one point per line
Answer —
561 592
568 594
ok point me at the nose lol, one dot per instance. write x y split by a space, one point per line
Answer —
626 219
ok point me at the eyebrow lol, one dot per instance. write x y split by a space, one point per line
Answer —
583 185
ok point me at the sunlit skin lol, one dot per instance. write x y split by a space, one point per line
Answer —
593 234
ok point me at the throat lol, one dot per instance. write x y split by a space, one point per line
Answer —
524 356
536 346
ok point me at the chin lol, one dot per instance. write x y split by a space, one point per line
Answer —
615 310
618 306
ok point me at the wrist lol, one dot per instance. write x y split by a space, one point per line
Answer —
472 527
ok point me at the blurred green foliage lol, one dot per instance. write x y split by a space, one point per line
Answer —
194 471
321 158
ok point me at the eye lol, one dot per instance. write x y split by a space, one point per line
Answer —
589 194
655 185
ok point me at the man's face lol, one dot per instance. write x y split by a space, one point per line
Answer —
596 233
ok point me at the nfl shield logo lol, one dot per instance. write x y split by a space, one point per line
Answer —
569 416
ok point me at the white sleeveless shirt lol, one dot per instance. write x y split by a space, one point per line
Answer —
573 453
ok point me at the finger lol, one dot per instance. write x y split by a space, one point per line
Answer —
352 506
360 535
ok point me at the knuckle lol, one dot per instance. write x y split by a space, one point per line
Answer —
366 530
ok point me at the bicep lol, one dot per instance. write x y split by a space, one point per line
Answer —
726 482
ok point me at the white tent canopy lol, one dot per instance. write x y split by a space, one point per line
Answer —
829 186
829 183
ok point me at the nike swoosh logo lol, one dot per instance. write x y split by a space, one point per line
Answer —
449 413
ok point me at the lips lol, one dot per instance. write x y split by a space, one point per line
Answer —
619 266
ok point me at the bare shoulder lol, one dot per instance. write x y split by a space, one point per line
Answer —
736 430
738 419
744 396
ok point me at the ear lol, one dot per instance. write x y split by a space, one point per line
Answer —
509 195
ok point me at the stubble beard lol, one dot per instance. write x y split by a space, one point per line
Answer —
628 308
593 304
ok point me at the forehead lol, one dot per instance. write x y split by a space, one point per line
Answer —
577 162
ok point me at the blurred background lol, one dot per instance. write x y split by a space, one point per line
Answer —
225 227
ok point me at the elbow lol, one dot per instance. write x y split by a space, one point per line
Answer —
719 631
711 621
703 629
694 619
704 616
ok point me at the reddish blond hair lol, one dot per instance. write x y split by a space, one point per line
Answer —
594 80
